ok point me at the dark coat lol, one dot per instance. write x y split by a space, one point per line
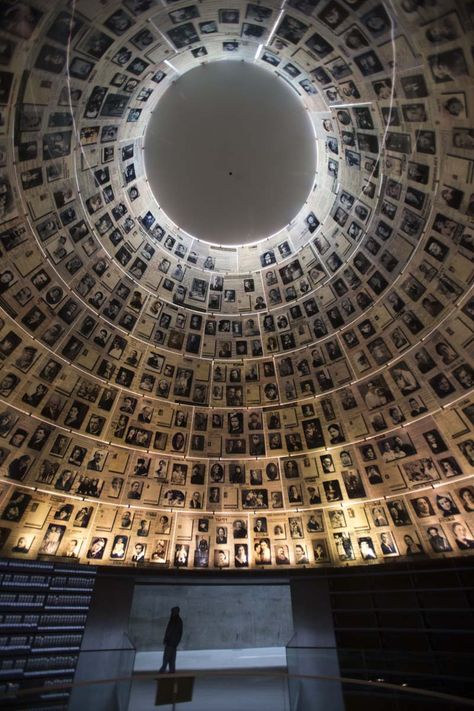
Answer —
174 631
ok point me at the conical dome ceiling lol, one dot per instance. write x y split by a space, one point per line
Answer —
301 396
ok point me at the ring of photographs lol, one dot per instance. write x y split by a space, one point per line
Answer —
158 393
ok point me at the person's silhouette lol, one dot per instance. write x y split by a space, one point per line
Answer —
173 634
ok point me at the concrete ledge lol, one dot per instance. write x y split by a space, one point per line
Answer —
202 659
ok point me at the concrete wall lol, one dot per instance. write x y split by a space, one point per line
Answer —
314 650
214 617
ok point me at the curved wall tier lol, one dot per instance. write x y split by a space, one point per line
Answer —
305 400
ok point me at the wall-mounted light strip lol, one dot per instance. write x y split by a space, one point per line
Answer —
166 61
273 30
355 103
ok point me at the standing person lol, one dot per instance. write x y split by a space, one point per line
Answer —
173 634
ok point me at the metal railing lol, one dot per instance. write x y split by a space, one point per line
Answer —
102 694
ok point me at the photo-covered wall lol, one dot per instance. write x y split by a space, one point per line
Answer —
304 401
